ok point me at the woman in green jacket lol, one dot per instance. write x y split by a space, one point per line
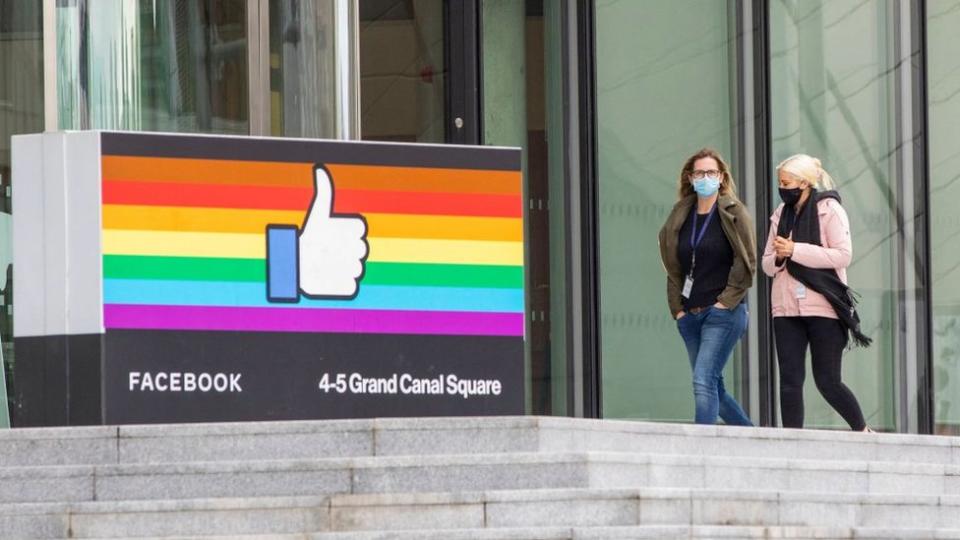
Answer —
708 249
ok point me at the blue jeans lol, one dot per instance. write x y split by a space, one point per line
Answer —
710 337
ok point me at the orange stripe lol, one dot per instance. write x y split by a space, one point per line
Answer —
207 171
370 177
165 218
262 173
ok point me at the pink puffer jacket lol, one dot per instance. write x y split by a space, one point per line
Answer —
836 252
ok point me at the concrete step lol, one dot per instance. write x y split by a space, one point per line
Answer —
618 533
452 473
572 513
655 531
646 506
143 519
424 436
483 477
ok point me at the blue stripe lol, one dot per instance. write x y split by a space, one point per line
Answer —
247 294
282 264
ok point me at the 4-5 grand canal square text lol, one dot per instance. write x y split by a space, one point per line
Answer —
407 384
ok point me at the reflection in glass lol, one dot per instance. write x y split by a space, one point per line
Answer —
832 96
663 92
402 71
155 65
943 79
21 111
302 76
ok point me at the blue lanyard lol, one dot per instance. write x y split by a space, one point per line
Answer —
695 238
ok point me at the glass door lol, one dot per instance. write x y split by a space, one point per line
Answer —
665 87
403 73
833 96
523 106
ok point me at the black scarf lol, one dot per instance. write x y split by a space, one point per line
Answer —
806 228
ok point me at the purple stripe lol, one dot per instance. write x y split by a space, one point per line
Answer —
348 321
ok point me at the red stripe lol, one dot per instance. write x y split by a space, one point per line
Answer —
206 195
289 198
398 202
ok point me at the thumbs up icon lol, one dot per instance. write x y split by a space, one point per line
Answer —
325 258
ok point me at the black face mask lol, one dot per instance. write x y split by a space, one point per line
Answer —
790 196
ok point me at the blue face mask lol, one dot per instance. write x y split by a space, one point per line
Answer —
706 186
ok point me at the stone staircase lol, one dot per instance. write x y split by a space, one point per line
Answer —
520 478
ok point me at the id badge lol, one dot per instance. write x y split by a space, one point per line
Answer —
687 287
801 292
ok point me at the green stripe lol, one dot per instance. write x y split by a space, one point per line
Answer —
183 268
444 275
223 269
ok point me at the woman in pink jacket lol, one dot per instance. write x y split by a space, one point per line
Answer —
807 254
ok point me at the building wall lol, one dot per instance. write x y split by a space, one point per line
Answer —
867 86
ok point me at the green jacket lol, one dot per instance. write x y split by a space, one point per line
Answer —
738 227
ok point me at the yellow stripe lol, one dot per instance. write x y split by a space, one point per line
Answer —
184 244
445 251
253 246
186 219
444 227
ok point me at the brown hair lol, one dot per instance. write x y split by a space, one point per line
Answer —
685 189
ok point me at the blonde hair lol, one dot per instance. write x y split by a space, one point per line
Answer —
727 187
808 169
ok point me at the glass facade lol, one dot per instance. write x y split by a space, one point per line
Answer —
153 65
302 68
21 111
663 92
602 95
943 90
833 96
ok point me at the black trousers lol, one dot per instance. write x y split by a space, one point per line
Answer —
827 339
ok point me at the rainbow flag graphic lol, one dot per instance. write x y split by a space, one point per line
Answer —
185 248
